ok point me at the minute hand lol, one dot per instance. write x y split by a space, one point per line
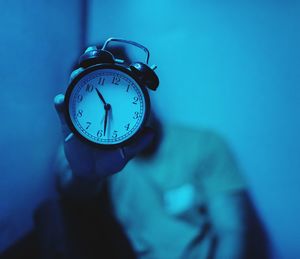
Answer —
101 96
107 108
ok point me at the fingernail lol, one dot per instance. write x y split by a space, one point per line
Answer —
69 137
59 99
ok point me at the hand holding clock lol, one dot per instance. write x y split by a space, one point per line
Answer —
91 152
87 163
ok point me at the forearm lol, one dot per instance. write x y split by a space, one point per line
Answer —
238 230
71 186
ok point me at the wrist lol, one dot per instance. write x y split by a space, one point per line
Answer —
71 186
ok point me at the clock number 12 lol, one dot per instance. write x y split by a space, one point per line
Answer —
116 80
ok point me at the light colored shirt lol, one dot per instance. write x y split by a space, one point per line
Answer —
160 201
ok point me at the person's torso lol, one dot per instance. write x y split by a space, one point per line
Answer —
159 201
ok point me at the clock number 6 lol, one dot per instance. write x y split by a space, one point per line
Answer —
99 133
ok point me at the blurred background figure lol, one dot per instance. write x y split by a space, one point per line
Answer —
241 78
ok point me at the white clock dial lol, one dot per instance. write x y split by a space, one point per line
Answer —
107 106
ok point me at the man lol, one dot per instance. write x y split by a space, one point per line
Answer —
182 197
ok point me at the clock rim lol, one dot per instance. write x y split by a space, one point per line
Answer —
88 70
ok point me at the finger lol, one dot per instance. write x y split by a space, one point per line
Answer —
60 109
80 157
142 141
76 73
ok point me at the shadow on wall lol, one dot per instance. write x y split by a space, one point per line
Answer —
39 42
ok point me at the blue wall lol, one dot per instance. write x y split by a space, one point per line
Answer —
39 42
235 67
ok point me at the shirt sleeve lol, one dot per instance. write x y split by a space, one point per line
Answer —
219 170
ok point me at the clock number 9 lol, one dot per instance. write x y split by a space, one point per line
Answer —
79 98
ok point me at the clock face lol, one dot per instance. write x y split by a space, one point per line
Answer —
106 106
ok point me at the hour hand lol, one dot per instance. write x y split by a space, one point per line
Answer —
101 96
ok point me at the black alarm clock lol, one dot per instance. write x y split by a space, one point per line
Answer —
107 102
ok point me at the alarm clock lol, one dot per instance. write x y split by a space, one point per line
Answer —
107 103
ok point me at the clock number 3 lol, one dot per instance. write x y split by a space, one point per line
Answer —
136 115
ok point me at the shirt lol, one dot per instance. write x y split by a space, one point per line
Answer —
160 201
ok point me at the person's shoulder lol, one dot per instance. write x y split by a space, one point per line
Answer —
201 135
199 140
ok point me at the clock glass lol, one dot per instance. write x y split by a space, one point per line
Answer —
107 106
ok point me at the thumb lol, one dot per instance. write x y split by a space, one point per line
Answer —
142 141
60 109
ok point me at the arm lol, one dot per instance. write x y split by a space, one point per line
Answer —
233 217
82 167
239 233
